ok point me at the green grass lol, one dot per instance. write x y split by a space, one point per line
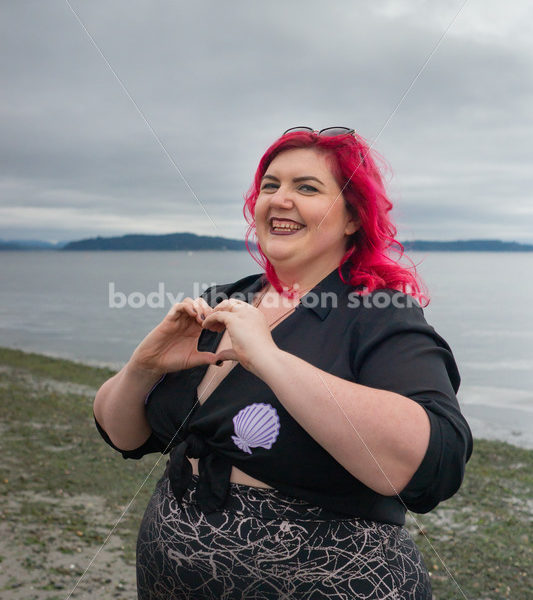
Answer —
60 370
51 451
57 475
483 533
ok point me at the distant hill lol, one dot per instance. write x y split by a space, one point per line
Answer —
191 241
467 246
29 245
171 241
9 246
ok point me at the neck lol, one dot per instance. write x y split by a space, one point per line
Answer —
299 281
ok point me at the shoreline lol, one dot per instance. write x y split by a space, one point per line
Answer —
491 429
96 364
61 498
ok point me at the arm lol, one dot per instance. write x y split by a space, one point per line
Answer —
380 437
119 405
403 405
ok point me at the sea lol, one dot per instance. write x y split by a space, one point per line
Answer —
95 307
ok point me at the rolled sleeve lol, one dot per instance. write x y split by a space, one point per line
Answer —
398 351
152 444
441 472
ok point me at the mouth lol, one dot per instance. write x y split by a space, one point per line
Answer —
284 226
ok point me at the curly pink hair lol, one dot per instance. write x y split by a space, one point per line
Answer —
354 165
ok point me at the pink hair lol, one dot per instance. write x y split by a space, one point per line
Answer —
353 164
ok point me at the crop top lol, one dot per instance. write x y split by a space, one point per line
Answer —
380 340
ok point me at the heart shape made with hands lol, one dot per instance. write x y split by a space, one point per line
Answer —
247 327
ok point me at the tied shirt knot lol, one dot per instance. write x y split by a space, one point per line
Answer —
214 472
195 446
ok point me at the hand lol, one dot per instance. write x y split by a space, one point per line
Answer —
248 330
172 345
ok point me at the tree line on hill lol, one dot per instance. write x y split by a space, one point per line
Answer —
191 242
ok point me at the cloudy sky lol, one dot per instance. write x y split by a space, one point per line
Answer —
202 88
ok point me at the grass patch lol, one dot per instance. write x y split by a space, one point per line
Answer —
55 368
483 533
62 489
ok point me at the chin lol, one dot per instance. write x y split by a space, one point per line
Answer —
278 258
275 250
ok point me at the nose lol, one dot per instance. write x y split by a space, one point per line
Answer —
282 198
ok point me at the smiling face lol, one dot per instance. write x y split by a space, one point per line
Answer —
301 219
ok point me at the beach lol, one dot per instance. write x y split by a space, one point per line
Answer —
65 492
86 306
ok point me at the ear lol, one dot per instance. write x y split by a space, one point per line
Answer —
351 227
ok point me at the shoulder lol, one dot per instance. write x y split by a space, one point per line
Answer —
381 302
391 327
383 298
386 313
386 305
247 285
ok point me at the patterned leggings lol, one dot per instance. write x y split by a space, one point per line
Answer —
268 546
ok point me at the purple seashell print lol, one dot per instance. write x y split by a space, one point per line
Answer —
256 426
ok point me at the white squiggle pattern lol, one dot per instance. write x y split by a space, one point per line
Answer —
268 546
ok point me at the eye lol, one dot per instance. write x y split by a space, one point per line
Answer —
307 188
269 186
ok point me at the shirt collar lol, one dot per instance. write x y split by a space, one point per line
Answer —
331 284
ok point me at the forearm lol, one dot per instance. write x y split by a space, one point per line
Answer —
119 406
380 437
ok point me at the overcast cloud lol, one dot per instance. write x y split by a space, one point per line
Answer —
219 81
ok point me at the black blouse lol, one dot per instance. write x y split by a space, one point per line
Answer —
380 340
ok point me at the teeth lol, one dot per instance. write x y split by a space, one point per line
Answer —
286 227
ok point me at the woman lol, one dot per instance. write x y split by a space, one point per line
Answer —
305 409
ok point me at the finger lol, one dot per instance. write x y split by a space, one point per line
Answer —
216 321
229 304
186 306
175 310
224 305
205 309
201 309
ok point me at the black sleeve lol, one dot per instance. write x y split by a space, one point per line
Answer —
152 444
398 351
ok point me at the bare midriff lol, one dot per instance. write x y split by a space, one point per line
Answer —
237 476
213 376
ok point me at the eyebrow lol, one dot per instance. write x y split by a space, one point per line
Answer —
296 179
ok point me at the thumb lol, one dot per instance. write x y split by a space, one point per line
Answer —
202 358
228 354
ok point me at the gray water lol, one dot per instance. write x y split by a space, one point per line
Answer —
59 303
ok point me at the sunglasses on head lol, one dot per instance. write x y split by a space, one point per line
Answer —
328 131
